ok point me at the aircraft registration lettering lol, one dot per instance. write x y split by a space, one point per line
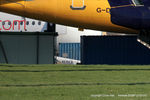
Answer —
100 10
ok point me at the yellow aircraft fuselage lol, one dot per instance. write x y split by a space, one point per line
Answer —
90 14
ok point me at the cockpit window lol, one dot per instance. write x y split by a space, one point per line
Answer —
138 2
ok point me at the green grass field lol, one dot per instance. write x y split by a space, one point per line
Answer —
74 82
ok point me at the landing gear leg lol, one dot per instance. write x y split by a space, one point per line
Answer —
144 36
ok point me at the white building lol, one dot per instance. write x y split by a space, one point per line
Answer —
72 35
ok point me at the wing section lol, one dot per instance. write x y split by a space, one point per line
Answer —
133 14
146 2
115 3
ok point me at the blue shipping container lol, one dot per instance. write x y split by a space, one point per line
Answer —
113 50
69 50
